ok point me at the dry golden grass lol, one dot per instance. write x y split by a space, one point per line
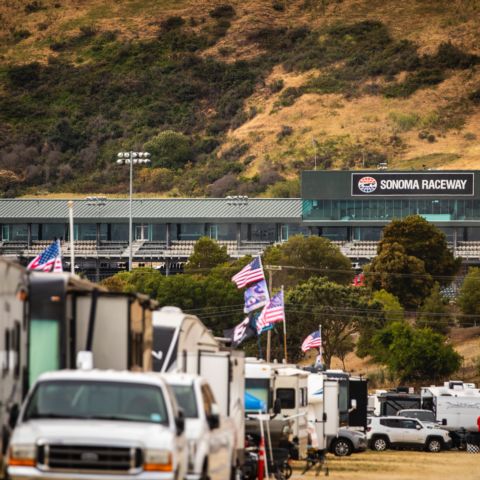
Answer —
402 465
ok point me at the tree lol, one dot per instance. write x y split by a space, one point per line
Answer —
390 305
434 312
400 274
339 309
423 240
469 298
170 149
207 253
308 257
415 355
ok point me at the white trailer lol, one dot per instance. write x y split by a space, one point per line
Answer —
181 343
456 405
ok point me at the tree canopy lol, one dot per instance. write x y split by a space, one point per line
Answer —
469 298
400 274
308 257
341 311
423 240
207 253
434 312
415 354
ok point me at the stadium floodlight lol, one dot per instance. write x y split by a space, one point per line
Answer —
131 158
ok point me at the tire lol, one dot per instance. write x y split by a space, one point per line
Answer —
380 444
434 445
287 471
342 447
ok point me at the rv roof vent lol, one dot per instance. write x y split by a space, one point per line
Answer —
171 310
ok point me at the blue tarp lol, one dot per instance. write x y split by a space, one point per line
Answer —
253 403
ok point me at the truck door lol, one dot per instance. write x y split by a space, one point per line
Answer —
47 326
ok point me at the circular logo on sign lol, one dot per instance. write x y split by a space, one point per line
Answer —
367 184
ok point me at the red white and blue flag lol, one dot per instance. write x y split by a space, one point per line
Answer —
314 340
50 260
253 272
273 312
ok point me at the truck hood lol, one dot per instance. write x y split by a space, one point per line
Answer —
96 432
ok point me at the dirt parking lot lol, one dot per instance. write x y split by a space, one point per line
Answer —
401 465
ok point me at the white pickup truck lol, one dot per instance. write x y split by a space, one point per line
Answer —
86 425
210 436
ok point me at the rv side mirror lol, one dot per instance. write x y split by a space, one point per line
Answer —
277 406
13 415
444 421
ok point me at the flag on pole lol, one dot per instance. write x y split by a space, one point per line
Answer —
314 340
359 280
273 312
256 296
243 331
253 272
50 260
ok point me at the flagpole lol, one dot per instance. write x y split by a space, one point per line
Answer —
284 329
320 347
72 252
269 332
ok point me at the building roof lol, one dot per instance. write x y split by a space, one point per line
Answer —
155 210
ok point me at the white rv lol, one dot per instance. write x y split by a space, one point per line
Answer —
181 343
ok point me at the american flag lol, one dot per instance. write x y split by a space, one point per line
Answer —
49 260
314 340
253 272
273 312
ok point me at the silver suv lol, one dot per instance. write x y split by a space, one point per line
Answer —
385 432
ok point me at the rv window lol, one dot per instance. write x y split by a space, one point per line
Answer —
257 390
287 397
44 352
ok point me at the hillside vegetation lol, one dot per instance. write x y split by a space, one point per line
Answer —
231 96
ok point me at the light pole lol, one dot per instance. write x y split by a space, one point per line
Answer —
130 158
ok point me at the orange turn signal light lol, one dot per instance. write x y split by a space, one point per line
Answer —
21 462
158 467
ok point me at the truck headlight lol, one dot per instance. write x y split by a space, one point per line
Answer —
158 461
22 455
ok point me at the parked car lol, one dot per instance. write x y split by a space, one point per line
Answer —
425 416
386 432
210 436
78 424
346 442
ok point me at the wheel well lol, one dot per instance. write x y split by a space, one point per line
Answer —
380 435
434 437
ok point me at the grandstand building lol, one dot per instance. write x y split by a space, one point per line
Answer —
348 207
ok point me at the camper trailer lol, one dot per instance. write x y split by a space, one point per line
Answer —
181 343
47 318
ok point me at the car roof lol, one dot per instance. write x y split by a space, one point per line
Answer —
104 376
181 378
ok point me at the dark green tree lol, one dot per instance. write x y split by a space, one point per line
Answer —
434 312
306 257
423 240
207 253
400 274
170 149
469 298
415 355
341 311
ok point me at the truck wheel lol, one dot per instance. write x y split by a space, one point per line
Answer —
342 447
434 445
379 444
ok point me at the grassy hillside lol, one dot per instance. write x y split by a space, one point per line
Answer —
233 96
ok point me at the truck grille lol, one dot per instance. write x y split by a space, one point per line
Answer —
89 458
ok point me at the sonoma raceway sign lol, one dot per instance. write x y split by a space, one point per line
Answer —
428 183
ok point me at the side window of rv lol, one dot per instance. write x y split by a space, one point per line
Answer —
287 397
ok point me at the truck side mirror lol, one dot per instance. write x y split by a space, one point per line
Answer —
213 419
444 421
180 422
13 415
277 406
324 416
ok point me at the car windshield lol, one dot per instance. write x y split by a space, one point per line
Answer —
426 416
133 402
185 396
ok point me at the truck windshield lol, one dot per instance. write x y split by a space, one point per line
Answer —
186 399
132 402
